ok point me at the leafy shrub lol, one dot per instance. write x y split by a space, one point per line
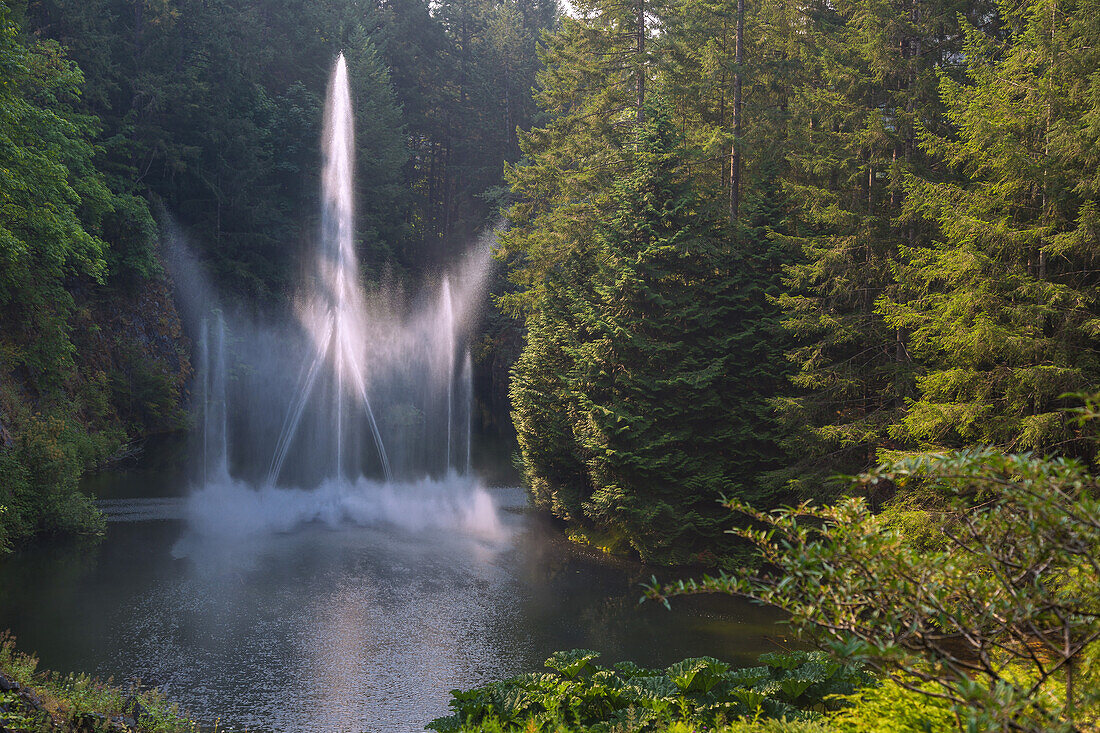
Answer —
20 667
577 693
1000 615
14 501
54 450
891 708
762 725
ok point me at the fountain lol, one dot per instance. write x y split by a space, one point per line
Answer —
333 312
357 410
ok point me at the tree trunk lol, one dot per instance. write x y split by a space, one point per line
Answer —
871 190
735 150
639 33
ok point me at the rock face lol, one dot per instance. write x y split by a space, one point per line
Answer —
136 341
20 709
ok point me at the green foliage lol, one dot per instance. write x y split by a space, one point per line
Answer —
71 237
865 87
579 695
16 508
144 391
998 618
553 471
1001 305
215 110
77 703
919 202
629 724
653 379
45 154
892 708
645 360
15 717
40 475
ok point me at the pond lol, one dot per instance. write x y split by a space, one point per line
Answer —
339 625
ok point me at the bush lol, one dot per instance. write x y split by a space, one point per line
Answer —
39 478
891 708
1000 616
15 511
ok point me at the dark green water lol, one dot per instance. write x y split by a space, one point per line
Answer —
339 626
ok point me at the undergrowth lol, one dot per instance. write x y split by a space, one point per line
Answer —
701 694
78 703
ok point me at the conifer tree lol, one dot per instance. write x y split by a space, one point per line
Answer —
586 97
562 188
868 83
585 189
1002 305
544 404
663 424
698 73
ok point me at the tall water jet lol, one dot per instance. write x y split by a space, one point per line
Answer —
448 327
294 414
204 364
215 428
222 396
333 312
468 400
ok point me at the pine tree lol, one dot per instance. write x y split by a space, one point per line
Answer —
544 402
568 249
869 70
663 424
587 101
562 190
1002 305
698 71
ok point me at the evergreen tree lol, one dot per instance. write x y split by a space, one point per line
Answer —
587 100
545 409
1002 305
868 84
562 186
663 422
569 250
215 109
698 71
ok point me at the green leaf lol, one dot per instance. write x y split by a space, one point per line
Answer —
572 663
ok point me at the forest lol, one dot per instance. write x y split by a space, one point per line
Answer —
874 234
801 297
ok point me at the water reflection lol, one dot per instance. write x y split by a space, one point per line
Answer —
344 627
